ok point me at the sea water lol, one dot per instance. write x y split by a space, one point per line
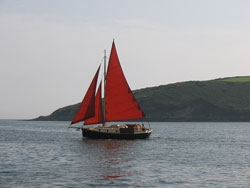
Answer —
49 154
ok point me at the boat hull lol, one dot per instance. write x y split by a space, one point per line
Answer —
101 135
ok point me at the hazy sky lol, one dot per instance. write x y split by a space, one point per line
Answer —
50 49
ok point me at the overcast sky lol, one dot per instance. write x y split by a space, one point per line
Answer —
50 49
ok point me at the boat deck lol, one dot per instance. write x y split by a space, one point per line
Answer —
121 128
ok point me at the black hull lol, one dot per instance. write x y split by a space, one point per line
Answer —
100 135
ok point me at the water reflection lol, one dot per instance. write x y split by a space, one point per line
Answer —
108 160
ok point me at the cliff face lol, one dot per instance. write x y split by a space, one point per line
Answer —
215 100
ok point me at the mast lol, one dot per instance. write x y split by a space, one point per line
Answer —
105 73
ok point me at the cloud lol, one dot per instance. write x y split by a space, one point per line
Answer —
134 23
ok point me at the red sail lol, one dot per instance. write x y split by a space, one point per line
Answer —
87 107
98 118
120 103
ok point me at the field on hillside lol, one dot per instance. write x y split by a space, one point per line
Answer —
238 79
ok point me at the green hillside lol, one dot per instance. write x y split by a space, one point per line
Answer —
225 99
237 79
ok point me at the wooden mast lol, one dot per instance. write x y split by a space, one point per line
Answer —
105 73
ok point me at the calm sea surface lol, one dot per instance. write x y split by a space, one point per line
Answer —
48 154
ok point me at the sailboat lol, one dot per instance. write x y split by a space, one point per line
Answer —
119 105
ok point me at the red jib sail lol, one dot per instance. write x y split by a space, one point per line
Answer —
98 118
120 103
87 107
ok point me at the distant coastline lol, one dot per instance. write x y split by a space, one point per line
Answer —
219 100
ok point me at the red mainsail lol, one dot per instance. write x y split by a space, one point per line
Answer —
98 118
120 103
87 107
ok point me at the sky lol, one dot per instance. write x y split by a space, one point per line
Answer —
51 49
